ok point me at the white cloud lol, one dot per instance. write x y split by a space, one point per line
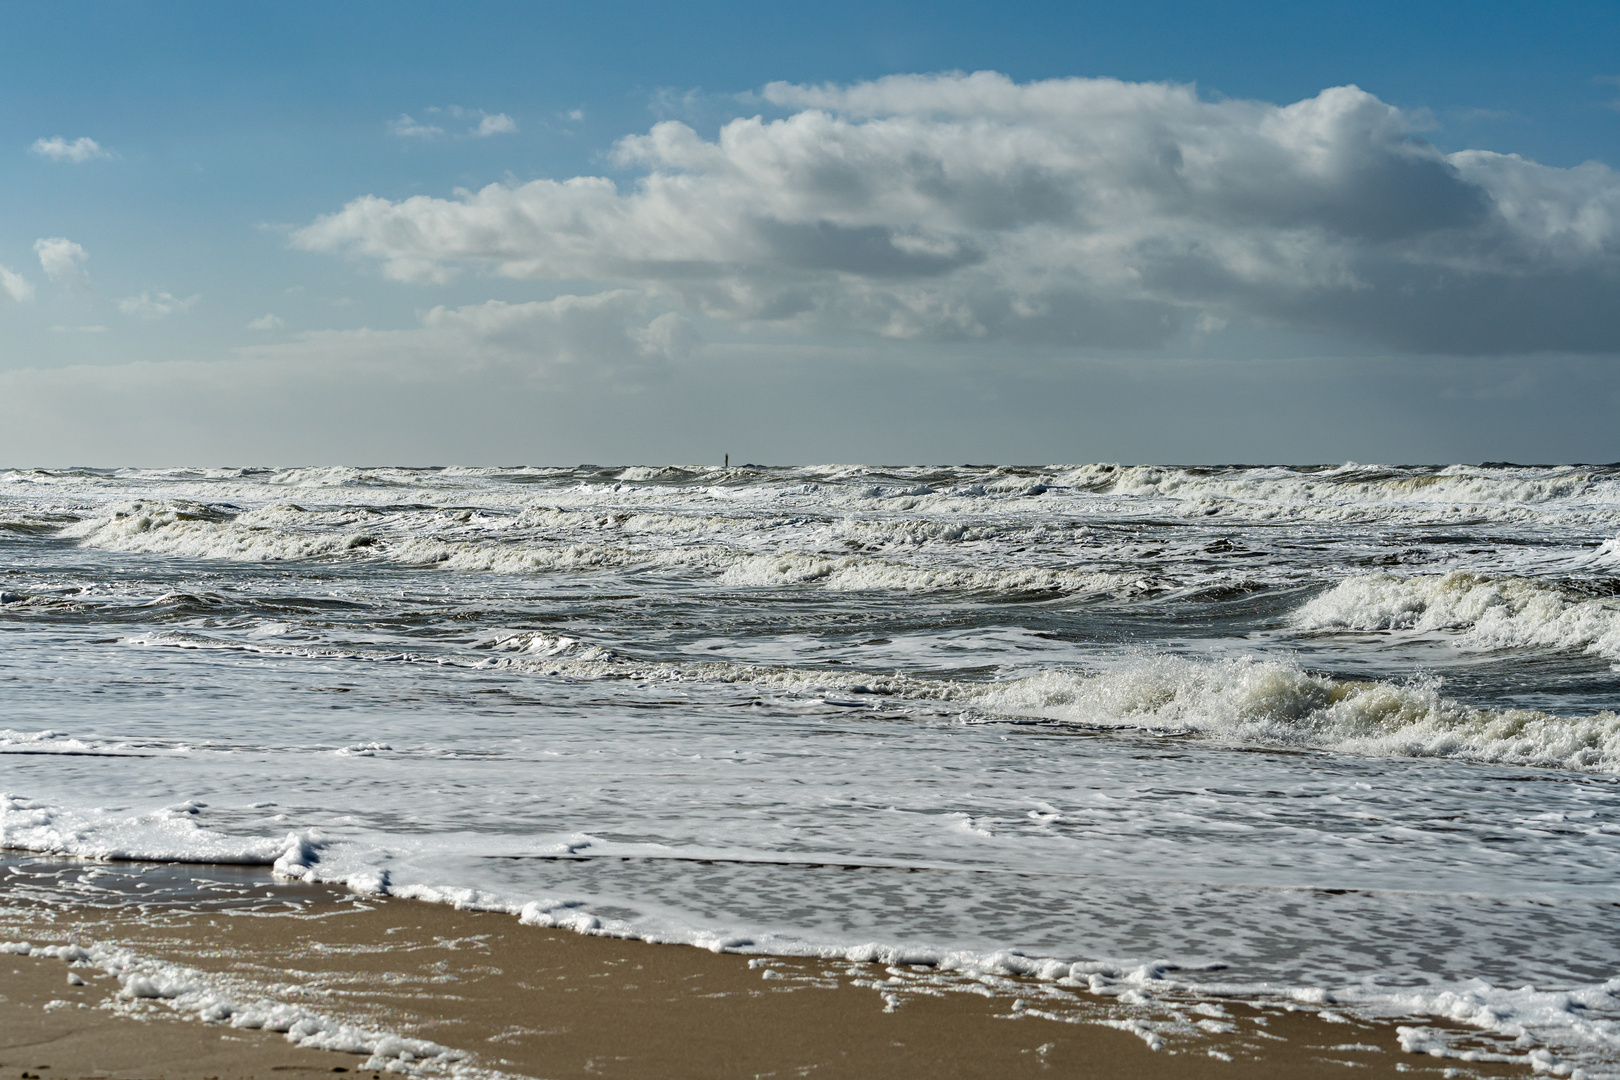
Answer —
267 322
616 336
61 259
78 151
1088 212
482 123
495 124
156 305
15 287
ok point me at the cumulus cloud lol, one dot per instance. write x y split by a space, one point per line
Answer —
617 336
78 151
1089 212
267 322
480 123
495 124
15 287
156 305
61 259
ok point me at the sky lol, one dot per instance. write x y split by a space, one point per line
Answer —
532 233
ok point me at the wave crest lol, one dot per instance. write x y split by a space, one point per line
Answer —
1243 701
1492 612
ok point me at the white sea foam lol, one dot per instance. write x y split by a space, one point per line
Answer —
1351 484
1244 701
198 532
1259 702
260 536
923 531
535 643
1577 1019
745 568
170 834
219 999
845 573
838 711
1546 1027
1491 612
1290 490
42 742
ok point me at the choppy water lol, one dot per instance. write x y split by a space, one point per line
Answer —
1343 734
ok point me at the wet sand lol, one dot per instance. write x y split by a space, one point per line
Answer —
534 1002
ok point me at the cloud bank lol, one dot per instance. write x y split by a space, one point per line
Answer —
1084 212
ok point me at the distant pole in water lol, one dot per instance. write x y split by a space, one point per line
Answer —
727 465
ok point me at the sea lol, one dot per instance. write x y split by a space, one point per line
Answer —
1341 736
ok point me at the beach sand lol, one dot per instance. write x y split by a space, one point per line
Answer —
539 1002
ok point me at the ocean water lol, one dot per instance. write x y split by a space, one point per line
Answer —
1342 736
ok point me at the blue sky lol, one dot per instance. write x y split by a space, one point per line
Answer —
207 283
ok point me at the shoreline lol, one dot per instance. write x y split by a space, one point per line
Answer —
504 998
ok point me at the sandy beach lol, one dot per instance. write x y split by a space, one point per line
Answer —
496 996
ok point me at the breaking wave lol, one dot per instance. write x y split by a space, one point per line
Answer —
1489 612
460 543
1352 486
1273 703
1243 701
